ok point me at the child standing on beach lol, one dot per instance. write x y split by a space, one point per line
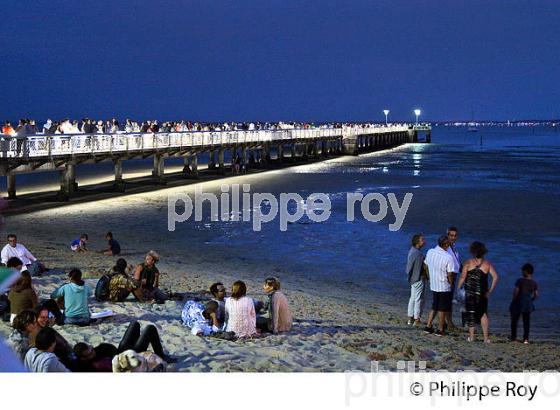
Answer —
524 293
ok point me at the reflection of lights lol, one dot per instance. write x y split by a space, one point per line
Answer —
416 172
385 169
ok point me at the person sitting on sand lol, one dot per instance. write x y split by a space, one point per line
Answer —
201 318
15 249
121 285
218 292
147 274
98 359
22 296
80 244
24 325
275 317
63 349
475 278
240 312
524 293
41 359
75 294
113 248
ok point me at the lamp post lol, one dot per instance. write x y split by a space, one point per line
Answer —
417 112
386 112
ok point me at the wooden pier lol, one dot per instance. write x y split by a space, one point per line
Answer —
63 153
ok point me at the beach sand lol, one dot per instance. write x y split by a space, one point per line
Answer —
337 328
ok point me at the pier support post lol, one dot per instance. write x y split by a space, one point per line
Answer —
159 169
118 185
244 158
186 164
194 165
212 160
315 149
428 137
221 167
293 152
67 181
280 156
11 185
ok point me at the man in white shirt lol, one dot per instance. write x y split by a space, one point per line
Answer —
15 249
441 271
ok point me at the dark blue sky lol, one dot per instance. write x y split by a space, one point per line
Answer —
308 60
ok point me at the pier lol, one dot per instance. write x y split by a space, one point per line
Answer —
64 152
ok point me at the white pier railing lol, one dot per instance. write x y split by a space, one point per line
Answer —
61 145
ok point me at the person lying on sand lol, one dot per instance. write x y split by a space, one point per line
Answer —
41 359
201 318
80 244
147 274
99 359
275 317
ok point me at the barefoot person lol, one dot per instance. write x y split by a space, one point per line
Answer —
275 317
415 269
440 268
524 293
475 278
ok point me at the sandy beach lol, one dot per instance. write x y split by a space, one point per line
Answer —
337 328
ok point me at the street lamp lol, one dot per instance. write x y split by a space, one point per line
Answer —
417 112
386 112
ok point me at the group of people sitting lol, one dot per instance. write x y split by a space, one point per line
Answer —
239 313
42 349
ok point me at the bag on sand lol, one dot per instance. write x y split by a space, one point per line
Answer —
102 288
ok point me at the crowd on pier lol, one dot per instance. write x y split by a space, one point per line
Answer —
26 127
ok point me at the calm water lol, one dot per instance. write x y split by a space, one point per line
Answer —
503 192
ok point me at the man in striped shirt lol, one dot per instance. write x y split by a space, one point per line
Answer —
441 269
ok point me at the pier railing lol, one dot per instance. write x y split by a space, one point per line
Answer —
61 145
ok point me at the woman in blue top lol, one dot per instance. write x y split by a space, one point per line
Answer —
75 294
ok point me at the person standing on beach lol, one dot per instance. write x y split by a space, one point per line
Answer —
475 278
416 271
441 271
453 235
524 293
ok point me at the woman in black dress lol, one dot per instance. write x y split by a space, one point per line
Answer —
475 278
